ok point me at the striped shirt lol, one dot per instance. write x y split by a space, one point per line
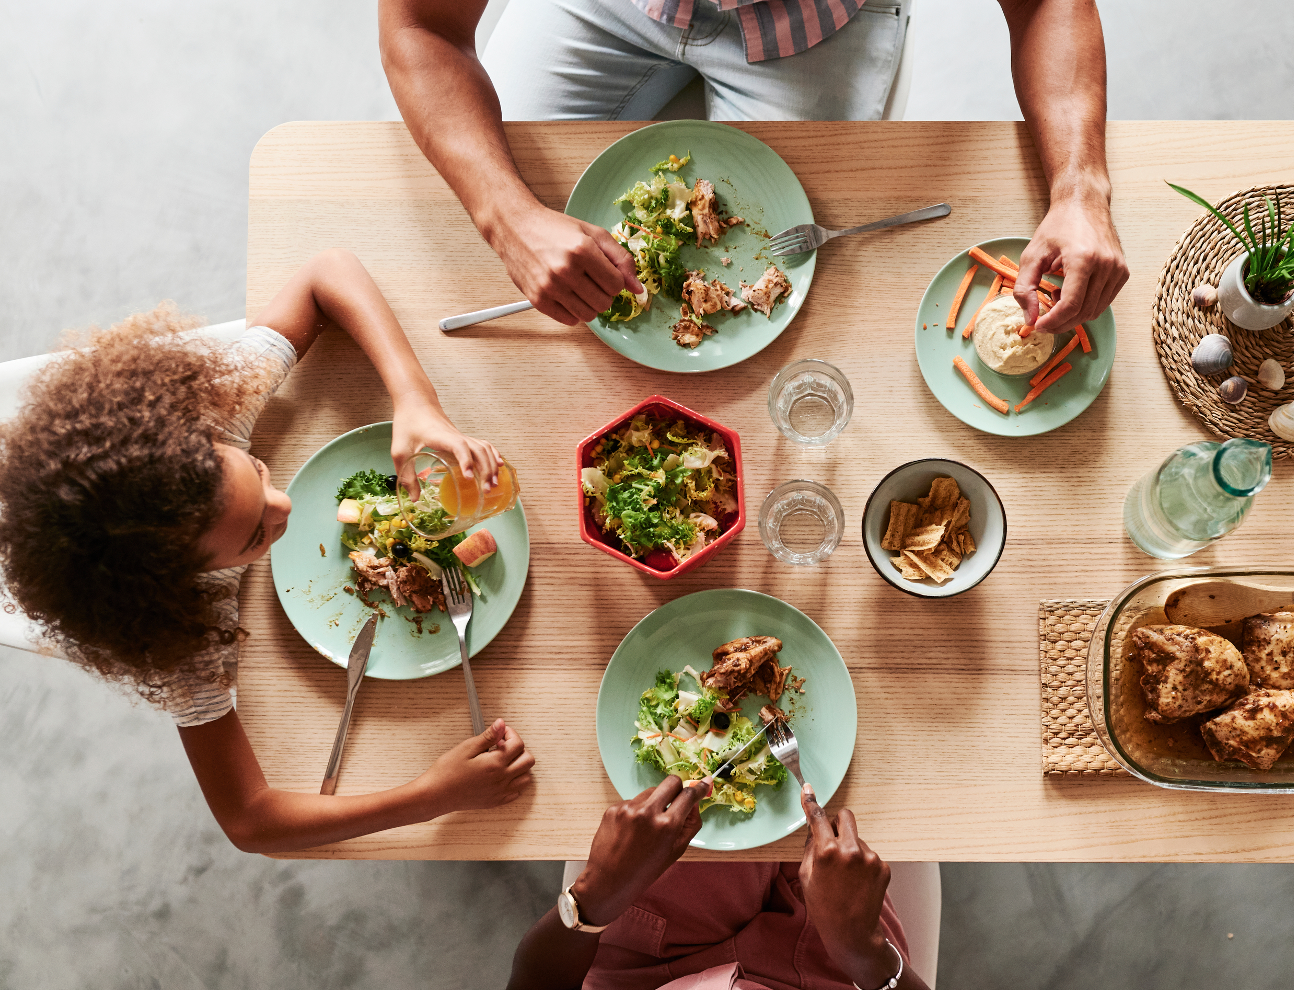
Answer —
188 694
769 28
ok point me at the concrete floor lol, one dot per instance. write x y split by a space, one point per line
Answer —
123 181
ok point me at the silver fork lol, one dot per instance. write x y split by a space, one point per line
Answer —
809 236
782 742
458 600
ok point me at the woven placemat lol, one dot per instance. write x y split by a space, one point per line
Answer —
1201 255
1070 747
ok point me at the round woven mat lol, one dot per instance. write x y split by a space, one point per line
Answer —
1201 255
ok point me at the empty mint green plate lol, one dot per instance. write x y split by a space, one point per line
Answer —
752 182
936 347
311 567
686 631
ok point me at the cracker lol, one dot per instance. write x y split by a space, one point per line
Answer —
908 570
967 542
944 493
961 513
932 565
902 517
925 538
950 558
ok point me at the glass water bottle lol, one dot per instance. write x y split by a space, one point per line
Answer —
1197 496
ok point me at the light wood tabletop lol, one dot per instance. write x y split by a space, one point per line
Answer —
947 764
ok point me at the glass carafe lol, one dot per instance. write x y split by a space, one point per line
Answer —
1197 496
450 502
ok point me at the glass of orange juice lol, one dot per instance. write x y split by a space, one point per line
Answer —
450 502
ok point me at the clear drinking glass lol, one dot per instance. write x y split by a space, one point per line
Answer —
810 401
801 522
451 502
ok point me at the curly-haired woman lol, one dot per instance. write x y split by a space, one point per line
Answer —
130 505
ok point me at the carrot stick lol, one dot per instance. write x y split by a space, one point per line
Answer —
1081 336
1055 360
1047 383
993 265
992 294
961 294
1001 405
1008 262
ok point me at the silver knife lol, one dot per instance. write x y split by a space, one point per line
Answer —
731 760
355 667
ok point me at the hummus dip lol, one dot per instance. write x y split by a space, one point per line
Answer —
999 344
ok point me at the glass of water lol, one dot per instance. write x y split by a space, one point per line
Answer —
801 522
810 401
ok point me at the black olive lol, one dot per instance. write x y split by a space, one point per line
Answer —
399 550
724 773
390 482
720 720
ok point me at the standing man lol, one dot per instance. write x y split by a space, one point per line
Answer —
761 59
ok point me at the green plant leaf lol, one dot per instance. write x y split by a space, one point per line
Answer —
1201 201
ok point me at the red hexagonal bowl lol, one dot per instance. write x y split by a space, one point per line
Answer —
658 405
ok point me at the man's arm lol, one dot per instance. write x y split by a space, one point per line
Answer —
568 268
1058 62
260 818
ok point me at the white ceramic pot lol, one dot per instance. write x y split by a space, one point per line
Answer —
1240 307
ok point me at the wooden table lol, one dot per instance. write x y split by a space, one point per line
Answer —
947 765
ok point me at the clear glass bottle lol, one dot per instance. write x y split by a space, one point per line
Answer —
1197 496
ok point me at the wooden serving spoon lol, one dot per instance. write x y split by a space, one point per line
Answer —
1215 603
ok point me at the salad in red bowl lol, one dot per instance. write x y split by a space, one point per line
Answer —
660 488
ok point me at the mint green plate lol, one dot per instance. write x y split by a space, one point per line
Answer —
309 584
751 181
824 718
936 347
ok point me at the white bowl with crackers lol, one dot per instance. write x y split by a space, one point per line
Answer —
934 528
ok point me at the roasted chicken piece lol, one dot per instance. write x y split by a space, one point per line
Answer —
1256 730
705 220
421 589
771 713
1269 650
409 585
1187 671
704 298
766 291
687 332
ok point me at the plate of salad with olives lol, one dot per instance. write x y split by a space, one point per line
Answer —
348 552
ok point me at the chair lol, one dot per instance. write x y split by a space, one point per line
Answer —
16 629
917 893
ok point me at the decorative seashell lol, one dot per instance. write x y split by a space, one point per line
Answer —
1281 421
1212 355
1233 390
1204 295
1271 375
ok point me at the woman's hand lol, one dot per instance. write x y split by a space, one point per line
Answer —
844 887
637 841
473 776
420 422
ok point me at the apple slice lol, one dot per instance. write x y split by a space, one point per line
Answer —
478 547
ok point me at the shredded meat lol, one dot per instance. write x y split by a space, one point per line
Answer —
422 590
409 585
771 713
705 221
704 298
689 333
767 290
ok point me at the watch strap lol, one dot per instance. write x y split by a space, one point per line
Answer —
579 925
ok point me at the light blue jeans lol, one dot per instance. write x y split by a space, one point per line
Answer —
607 60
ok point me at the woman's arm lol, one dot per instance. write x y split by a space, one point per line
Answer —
334 289
1058 62
263 819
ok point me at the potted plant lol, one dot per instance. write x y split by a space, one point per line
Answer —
1257 289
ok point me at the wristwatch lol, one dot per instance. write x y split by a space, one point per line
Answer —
568 909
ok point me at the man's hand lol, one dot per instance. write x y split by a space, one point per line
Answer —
569 269
637 841
472 775
844 887
420 422
1077 236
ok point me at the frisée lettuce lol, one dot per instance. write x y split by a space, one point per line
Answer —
680 729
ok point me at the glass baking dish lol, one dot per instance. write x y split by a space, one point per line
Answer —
1173 755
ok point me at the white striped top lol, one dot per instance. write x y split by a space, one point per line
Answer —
186 695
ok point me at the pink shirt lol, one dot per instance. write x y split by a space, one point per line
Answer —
722 926
769 28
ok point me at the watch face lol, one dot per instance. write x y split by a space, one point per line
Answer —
566 909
